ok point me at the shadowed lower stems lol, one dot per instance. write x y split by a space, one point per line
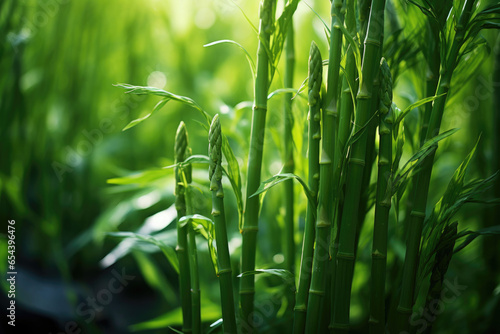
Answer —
224 261
314 136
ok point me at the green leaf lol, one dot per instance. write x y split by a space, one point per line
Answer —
154 276
400 176
283 91
175 330
279 36
193 159
278 178
327 28
249 58
209 312
157 107
144 90
205 226
141 178
492 230
233 174
417 104
356 134
285 275
215 325
355 49
254 28
169 252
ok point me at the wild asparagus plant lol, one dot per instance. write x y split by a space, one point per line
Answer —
382 205
417 215
180 148
314 136
324 216
224 261
347 234
251 215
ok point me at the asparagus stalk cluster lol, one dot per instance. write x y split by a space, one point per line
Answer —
335 215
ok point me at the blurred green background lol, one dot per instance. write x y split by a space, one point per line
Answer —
61 140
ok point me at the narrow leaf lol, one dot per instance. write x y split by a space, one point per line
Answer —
285 275
276 179
249 58
169 252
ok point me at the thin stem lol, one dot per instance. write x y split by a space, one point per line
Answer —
288 167
432 76
382 207
251 215
193 253
314 136
180 148
193 266
224 260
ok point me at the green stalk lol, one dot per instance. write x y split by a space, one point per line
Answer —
347 235
432 76
194 279
289 163
369 159
347 106
314 136
251 215
224 261
421 190
364 14
370 151
382 205
325 211
181 145
186 243
193 266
